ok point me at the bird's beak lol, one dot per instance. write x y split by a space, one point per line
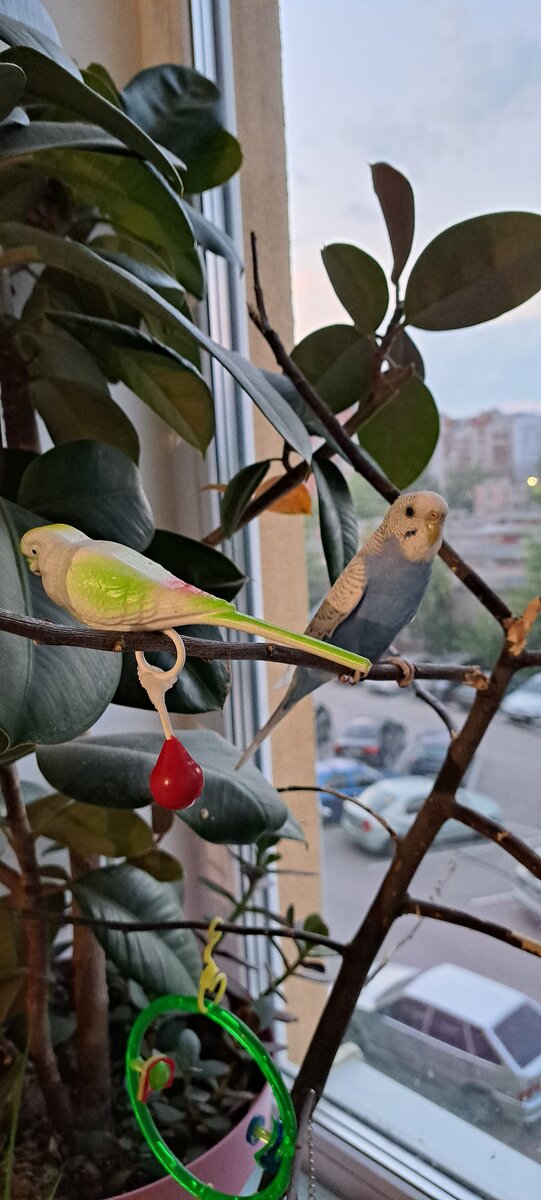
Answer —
434 529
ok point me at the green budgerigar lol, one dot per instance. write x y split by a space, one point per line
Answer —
109 586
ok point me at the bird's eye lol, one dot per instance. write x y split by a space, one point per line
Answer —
33 550
410 511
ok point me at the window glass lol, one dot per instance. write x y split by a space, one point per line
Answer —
447 1029
520 1033
408 1011
481 1045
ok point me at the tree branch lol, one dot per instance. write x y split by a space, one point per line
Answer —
326 791
494 832
455 916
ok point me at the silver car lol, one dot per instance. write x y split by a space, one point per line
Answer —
398 799
474 1038
524 704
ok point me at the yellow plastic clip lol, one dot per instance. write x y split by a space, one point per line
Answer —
212 980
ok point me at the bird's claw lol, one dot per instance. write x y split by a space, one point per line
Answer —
407 668
352 678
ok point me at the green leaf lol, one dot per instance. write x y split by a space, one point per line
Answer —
338 363
14 464
140 260
238 492
201 686
157 863
291 829
403 352
98 78
403 435
359 283
82 262
137 200
33 31
48 81
182 110
12 86
160 962
475 271
51 135
170 385
92 486
21 190
34 14
210 237
200 565
49 693
113 770
337 518
83 827
395 195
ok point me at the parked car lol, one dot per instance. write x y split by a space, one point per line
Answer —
527 888
377 742
472 1036
524 704
346 775
426 754
398 799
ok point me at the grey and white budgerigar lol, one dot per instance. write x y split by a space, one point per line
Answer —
376 595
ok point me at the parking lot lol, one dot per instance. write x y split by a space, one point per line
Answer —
475 875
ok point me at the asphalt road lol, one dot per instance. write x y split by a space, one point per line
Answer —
475 875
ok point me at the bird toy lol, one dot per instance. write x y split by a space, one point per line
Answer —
109 586
155 1073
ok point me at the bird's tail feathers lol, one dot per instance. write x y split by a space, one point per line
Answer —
267 729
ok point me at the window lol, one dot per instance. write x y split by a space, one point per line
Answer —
408 1011
520 1033
481 1045
447 1029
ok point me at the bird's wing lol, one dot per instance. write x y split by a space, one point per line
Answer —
110 591
345 594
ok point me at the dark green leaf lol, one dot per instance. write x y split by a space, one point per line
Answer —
48 81
87 829
98 78
182 110
338 363
170 385
475 271
395 195
12 85
291 829
197 564
210 237
402 436
201 686
138 201
300 407
92 486
337 518
313 923
82 262
49 693
404 351
238 493
14 464
359 283
51 135
114 770
28 30
161 962
20 191
157 863
142 261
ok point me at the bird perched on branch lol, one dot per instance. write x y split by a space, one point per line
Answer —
108 586
375 596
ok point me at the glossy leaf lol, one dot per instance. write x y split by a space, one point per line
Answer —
20 190
34 14
475 271
404 351
14 464
50 135
87 829
197 564
161 961
359 283
33 30
338 363
83 263
114 770
201 686
238 492
337 518
140 260
92 486
49 693
210 237
157 863
182 110
403 435
12 86
98 78
170 385
300 407
47 81
395 195
136 199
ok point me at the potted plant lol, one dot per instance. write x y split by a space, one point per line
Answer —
101 259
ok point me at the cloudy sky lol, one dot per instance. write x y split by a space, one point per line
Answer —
448 91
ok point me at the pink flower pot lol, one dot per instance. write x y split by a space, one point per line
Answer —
227 1166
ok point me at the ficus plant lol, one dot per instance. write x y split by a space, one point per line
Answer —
102 261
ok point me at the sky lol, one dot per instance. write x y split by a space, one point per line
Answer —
449 92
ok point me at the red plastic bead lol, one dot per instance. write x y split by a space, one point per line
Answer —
177 780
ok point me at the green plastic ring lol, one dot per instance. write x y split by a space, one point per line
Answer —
242 1034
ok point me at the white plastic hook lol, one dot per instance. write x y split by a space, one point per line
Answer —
156 682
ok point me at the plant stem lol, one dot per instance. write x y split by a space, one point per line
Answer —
466 920
91 1000
36 952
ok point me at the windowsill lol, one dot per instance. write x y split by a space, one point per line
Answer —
402 1144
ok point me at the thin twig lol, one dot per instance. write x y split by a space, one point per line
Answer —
495 832
439 708
466 920
326 791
